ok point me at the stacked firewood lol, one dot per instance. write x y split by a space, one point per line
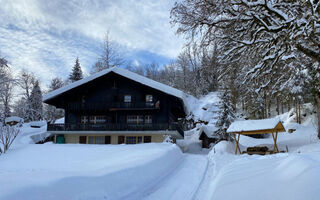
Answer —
257 149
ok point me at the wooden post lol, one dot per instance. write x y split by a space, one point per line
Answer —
276 142
275 146
237 142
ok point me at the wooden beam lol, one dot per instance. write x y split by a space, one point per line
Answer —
237 142
276 142
275 146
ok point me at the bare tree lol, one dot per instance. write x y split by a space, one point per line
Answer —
6 88
269 33
26 82
7 135
110 57
6 97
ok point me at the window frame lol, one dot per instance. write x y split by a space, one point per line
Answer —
148 99
135 119
125 100
148 119
134 139
84 119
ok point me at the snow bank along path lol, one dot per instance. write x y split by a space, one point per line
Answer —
49 171
278 177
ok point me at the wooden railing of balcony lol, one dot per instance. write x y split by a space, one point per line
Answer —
116 105
115 127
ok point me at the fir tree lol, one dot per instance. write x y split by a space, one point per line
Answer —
226 116
76 73
34 104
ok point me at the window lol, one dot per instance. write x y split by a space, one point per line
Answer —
100 119
149 98
127 98
91 140
148 119
96 139
99 139
133 139
84 119
135 119
147 139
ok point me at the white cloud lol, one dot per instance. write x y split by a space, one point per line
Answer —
45 37
138 24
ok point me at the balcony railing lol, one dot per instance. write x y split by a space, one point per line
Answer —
114 105
115 127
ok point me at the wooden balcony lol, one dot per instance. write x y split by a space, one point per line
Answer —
113 106
116 127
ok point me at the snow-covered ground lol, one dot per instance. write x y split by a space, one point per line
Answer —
74 171
294 175
162 171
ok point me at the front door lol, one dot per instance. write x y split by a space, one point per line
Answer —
120 139
107 140
83 139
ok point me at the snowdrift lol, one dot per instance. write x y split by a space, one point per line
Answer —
85 171
283 176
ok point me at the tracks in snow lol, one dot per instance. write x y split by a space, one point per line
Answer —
183 182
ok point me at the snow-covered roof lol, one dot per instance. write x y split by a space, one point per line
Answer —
60 121
208 130
253 125
13 119
122 72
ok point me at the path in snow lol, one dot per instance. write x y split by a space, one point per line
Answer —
183 182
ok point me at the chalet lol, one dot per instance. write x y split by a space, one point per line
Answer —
117 106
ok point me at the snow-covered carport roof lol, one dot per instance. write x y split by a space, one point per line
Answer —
261 126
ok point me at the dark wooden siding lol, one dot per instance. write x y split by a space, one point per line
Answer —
104 96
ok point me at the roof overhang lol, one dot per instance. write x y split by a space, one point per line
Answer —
122 72
273 128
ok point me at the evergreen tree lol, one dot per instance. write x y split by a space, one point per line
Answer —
34 105
226 116
51 112
76 73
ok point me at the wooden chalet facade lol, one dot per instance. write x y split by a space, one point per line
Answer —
117 106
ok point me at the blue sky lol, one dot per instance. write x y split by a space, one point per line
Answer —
45 36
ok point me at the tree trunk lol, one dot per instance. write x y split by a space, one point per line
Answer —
278 105
317 104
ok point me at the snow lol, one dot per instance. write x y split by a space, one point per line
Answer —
203 110
293 175
85 171
77 171
60 121
251 125
122 72
206 108
162 171
38 123
13 119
